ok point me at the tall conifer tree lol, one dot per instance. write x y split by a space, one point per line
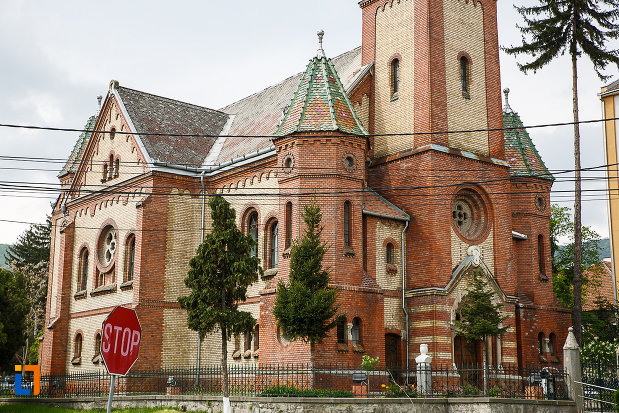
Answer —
553 27
305 308
218 277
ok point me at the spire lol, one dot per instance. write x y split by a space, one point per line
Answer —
320 102
321 52
520 152
507 108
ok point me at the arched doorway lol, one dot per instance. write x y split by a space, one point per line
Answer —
467 359
392 355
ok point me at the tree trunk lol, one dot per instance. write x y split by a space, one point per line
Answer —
313 363
577 310
224 369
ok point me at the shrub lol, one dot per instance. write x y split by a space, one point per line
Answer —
291 391
469 390
616 401
495 391
369 363
394 390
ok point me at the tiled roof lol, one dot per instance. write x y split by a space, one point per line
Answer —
613 86
76 154
320 103
520 152
154 114
376 204
261 113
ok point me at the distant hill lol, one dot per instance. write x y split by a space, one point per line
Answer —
3 248
604 248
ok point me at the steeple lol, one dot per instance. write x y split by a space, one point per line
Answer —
320 102
520 152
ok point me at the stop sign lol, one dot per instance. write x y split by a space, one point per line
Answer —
121 340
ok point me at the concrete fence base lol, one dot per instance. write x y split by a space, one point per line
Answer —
314 405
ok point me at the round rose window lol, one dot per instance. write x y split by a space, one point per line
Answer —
469 215
106 246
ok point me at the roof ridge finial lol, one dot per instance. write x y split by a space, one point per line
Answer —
507 108
99 98
321 52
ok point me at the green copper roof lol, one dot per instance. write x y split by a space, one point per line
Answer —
76 154
520 153
320 103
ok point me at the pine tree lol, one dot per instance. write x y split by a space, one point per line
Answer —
218 277
575 26
480 317
305 308
32 246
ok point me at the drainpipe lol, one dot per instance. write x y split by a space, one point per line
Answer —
201 241
404 298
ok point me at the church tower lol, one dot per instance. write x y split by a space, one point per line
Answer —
436 68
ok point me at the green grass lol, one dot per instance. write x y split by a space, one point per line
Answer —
33 408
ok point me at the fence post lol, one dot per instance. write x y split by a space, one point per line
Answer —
424 370
571 360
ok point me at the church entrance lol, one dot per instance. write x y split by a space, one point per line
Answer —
392 354
467 359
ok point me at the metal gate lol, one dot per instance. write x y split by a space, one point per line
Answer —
599 384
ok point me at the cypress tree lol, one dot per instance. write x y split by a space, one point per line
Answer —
218 277
305 308
553 27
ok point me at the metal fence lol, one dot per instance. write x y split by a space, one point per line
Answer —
599 384
328 380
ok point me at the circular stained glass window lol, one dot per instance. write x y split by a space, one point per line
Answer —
469 215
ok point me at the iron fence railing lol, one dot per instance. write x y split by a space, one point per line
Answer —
332 380
600 381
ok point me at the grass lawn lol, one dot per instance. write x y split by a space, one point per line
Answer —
33 408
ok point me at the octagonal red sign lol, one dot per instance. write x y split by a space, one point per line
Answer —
120 340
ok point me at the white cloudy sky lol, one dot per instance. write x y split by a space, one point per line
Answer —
56 57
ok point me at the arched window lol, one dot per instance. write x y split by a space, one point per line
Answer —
116 167
252 227
256 337
389 253
288 224
273 245
247 341
347 226
395 77
464 75
111 167
355 332
77 349
104 178
540 343
130 258
540 254
341 330
551 343
96 358
112 133
82 278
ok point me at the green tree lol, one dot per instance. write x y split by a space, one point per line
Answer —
32 246
218 277
553 27
600 323
12 317
305 308
480 317
563 268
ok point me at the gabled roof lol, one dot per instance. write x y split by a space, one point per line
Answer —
156 114
320 103
261 113
76 154
520 152
375 204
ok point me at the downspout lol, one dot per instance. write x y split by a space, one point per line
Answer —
404 298
201 241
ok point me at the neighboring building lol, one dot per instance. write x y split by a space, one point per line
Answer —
603 289
410 212
610 105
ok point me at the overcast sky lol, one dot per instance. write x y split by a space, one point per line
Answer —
56 57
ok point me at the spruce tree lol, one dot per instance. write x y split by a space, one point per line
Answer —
553 27
32 246
480 317
14 307
305 308
218 277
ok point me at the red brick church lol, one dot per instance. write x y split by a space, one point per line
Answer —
400 141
